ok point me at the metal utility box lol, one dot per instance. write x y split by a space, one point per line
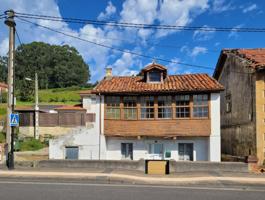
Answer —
157 167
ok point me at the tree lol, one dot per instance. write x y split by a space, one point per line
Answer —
57 67
3 69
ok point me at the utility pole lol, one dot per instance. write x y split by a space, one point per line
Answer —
10 22
36 130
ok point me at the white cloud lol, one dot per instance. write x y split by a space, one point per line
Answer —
250 8
179 13
173 68
109 11
201 35
125 65
197 51
139 12
233 33
193 52
219 6
175 12
4 47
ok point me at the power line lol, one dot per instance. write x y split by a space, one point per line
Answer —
148 41
18 37
140 26
127 51
117 49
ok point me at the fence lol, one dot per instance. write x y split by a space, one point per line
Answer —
65 119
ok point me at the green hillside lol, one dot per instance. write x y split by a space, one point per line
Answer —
69 96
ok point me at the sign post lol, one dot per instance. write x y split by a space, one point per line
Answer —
14 119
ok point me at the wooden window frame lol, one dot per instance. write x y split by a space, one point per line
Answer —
155 107
201 106
148 107
183 106
119 107
125 107
165 106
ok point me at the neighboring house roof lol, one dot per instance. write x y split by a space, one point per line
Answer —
70 107
85 92
255 58
42 108
3 85
172 83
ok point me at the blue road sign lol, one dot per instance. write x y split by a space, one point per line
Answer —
14 119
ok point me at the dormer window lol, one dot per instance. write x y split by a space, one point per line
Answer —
154 73
154 76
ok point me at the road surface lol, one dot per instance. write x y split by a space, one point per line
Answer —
16 189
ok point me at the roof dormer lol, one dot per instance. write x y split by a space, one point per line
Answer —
154 73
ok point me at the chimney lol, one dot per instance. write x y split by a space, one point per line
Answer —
108 72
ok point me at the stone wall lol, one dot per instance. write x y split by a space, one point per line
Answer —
52 131
174 167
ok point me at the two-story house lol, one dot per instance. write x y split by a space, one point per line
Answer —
151 116
242 72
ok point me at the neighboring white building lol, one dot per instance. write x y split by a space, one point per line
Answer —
150 116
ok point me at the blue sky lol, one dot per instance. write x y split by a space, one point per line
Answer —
193 47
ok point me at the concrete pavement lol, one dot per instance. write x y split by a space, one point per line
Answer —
138 178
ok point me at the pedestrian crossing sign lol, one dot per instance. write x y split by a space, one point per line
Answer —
14 119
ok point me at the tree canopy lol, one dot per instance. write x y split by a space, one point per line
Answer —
3 69
57 67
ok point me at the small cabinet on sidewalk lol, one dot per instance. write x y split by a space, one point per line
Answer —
157 167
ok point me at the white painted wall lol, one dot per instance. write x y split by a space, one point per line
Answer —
215 139
89 138
140 148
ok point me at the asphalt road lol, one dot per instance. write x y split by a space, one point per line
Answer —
16 189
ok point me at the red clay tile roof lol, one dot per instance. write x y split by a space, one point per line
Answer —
152 66
255 56
70 107
3 85
173 83
85 92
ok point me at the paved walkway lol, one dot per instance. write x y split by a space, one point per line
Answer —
135 177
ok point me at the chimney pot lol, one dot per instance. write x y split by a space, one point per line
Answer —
108 72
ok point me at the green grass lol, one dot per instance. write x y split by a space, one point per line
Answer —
2 111
2 137
58 96
31 145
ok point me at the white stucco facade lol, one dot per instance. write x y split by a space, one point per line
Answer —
215 137
92 143
140 148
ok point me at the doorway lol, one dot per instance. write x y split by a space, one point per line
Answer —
71 153
185 151
127 151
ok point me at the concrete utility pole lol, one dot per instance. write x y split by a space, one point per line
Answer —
10 22
36 128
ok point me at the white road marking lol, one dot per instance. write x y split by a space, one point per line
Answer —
247 189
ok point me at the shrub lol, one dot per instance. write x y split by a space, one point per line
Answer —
3 97
2 137
31 145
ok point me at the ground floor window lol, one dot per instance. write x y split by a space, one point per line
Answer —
185 151
71 153
127 151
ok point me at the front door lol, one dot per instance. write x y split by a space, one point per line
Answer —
185 151
156 151
127 151
71 153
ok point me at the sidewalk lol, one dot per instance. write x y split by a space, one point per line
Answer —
136 177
